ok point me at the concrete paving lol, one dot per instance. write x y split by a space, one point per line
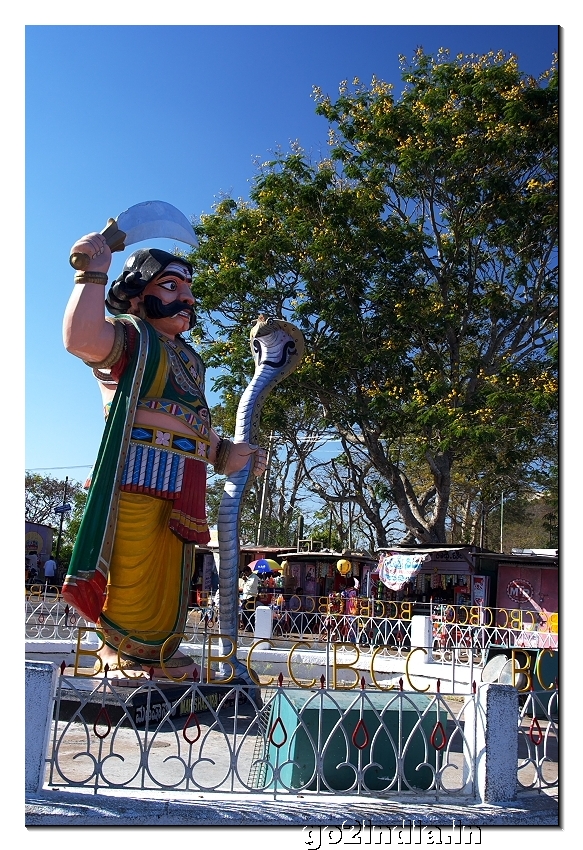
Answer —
59 808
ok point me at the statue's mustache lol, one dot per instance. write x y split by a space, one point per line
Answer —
156 309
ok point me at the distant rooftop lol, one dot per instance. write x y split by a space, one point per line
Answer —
549 553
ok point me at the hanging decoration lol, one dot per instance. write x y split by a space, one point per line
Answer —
343 566
396 570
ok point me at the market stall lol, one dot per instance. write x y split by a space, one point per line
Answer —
424 575
318 575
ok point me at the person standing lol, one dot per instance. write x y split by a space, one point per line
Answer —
250 585
50 570
31 570
350 599
249 595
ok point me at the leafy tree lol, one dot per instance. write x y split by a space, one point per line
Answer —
359 503
420 261
325 529
71 524
43 493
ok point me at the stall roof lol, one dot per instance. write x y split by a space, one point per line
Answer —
552 553
525 559
422 550
326 554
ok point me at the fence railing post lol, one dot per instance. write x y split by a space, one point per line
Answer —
492 735
422 635
39 691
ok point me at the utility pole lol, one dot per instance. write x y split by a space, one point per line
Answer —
502 522
482 524
264 491
61 523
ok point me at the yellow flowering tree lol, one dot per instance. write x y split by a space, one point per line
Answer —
420 259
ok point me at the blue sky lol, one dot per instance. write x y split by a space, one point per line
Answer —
116 115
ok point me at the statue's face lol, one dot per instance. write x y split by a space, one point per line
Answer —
170 287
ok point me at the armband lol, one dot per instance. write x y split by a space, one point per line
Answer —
223 452
116 351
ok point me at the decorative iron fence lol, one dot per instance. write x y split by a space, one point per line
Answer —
481 627
538 741
278 740
49 618
454 644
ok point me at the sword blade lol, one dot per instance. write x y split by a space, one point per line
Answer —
148 220
155 219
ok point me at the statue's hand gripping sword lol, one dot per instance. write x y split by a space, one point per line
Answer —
148 220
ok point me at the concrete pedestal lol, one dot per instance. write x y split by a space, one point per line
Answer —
263 624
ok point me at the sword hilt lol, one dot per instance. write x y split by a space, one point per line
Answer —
114 237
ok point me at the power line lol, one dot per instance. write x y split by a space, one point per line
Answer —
318 440
49 468
313 439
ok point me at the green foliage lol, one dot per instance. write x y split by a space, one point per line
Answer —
529 523
324 530
420 261
71 528
43 493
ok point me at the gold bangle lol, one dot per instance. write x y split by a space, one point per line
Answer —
91 277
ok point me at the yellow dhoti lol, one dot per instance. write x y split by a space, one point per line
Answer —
148 584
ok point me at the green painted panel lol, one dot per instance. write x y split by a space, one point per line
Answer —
370 734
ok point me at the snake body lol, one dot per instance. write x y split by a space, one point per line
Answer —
277 347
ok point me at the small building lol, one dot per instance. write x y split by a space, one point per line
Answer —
467 575
524 580
38 541
205 579
315 570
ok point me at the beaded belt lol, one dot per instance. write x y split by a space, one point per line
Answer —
170 441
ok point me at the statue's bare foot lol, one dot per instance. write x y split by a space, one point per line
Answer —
127 670
176 667
118 666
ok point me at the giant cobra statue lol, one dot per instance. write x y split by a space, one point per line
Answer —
277 348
